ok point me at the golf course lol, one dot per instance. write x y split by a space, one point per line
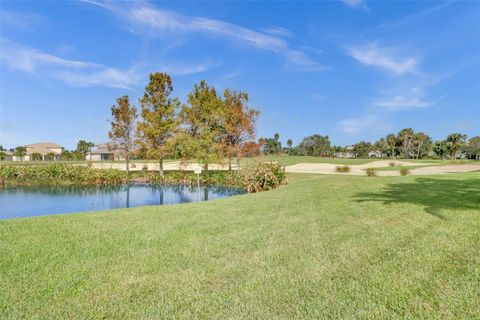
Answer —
322 246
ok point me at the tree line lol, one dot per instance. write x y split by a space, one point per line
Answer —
406 144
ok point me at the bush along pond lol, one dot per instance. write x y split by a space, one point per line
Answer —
62 188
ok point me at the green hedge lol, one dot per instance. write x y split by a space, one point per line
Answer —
59 174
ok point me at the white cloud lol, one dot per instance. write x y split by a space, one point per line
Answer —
369 123
357 4
151 20
84 73
384 58
75 72
412 98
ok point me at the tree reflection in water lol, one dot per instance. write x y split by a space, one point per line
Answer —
42 200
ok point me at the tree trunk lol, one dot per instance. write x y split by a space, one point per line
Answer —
229 163
238 161
127 162
160 166
205 167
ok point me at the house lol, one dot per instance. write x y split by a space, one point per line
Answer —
102 152
44 150
348 153
375 154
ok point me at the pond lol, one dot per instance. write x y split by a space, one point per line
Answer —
42 200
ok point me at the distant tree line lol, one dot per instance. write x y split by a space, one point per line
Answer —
406 144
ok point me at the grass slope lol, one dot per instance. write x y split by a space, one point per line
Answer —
321 247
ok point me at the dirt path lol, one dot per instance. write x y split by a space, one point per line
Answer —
359 170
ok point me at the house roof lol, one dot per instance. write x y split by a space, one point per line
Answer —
43 145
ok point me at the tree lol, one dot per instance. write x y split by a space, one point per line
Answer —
159 116
440 148
392 143
382 146
289 144
315 145
238 124
50 156
420 143
20 152
3 155
362 148
272 145
405 138
204 120
123 123
473 148
37 156
84 147
455 141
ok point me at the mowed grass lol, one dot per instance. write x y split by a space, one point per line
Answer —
287 160
337 247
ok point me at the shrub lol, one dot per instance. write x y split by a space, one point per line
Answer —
371 172
262 176
145 167
342 169
404 171
391 164
133 165
183 177
60 174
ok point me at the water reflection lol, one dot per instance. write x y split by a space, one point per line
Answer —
35 201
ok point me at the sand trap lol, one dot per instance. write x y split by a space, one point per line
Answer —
359 170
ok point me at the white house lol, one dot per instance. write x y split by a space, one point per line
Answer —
347 154
375 154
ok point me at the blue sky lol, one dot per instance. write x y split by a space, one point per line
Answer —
355 70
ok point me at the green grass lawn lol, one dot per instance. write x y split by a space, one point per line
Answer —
287 160
336 247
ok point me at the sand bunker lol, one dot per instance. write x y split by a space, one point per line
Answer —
359 170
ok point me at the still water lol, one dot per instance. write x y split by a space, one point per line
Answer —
36 201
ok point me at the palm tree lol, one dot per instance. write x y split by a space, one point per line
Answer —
289 144
455 142
392 141
405 137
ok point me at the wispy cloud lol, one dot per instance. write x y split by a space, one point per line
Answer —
357 4
148 19
417 15
84 73
19 20
369 123
278 31
75 72
413 98
384 58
